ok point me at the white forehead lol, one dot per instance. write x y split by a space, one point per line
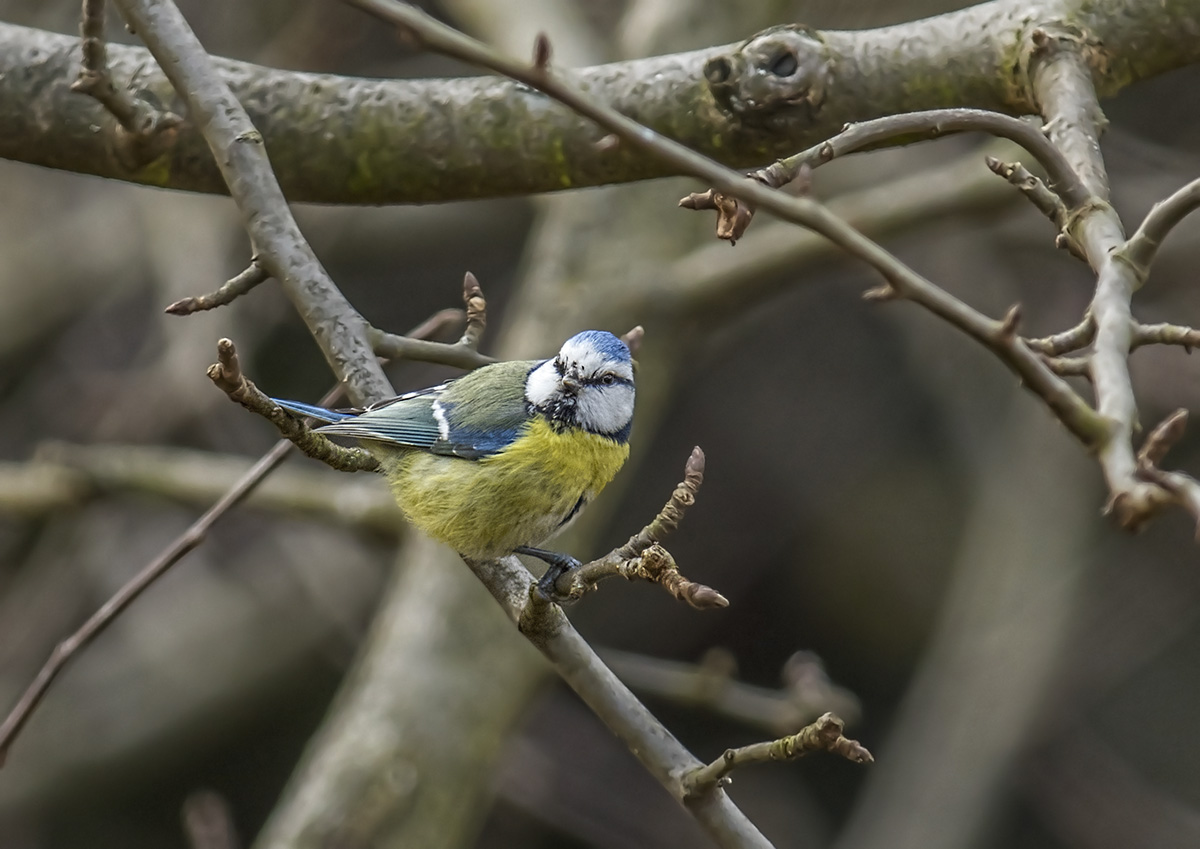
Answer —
591 359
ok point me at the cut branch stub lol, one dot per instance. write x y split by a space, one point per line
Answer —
777 79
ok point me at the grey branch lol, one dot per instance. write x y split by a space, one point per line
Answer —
537 147
823 735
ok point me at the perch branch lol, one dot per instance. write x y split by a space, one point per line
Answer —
579 666
643 556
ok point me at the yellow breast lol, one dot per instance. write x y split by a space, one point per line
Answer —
486 508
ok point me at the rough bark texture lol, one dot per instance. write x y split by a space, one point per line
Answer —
344 140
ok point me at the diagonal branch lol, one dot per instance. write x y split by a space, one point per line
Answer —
241 157
1062 85
1034 373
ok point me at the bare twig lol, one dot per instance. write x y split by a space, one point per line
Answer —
231 289
734 215
1075 414
1062 86
711 685
102 618
823 735
240 155
579 666
462 354
146 131
229 376
643 557
1079 336
1165 334
226 373
931 124
1142 247
1038 193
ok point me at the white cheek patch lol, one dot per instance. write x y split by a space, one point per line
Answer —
605 409
542 385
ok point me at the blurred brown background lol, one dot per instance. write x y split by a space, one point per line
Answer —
879 492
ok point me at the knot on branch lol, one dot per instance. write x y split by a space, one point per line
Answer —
775 80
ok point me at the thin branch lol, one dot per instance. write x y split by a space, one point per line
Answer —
1063 88
233 288
1183 488
229 374
1141 249
1165 334
823 735
1079 336
714 279
63 476
1075 414
66 650
226 373
1037 192
711 685
241 156
643 556
734 215
462 354
931 124
577 663
147 132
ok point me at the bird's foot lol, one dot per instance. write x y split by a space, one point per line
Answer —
559 565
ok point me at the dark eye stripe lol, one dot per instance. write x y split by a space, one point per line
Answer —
599 381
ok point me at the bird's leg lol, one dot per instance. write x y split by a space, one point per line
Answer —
560 564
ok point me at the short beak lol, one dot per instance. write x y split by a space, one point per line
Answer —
570 382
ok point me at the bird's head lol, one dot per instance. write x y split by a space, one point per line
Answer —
589 385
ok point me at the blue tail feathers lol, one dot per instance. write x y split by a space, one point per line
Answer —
318 413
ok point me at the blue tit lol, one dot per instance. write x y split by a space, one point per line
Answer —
504 457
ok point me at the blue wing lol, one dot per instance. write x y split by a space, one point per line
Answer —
418 420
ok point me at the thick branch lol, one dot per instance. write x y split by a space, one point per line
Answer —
1001 337
342 140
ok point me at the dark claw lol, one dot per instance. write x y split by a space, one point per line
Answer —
560 564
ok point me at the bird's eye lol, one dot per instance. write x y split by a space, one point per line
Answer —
608 379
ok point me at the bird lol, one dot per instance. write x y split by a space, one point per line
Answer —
499 460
